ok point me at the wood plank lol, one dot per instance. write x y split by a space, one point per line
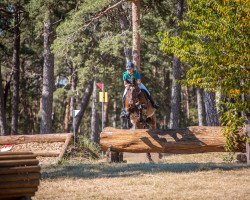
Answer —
17 157
64 148
197 139
22 191
19 170
19 177
21 139
15 152
47 154
14 196
19 184
12 163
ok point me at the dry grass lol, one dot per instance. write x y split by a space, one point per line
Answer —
199 176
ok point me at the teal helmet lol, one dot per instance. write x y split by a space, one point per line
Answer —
130 65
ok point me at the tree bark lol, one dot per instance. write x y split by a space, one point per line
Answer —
210 107
85 100
201 107
48 79
16 70
95 135
3 124
68 110
167 94
186 103
124 24
115 116
73 89
175 95
196 139
136 33
66 116
176 87
106 114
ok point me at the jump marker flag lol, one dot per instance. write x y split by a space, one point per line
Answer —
100 86
5 148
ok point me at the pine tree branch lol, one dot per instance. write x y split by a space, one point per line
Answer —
102 13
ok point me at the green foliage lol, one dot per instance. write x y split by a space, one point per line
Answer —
213 40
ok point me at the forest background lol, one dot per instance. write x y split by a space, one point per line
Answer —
194 61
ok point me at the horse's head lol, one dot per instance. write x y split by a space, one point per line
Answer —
136 98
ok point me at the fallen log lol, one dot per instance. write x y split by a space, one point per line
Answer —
19 177
19 170
21 139
47 154
196 139
19 184
12 163
67 141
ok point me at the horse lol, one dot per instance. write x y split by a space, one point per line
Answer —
139 112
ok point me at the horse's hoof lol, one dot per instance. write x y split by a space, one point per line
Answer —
160 156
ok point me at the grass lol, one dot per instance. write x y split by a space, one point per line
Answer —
199 176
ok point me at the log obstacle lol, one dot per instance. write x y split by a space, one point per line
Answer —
195 139
22 139
19 175
41 138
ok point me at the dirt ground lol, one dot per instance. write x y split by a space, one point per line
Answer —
198 176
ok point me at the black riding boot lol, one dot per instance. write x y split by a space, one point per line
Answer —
155 105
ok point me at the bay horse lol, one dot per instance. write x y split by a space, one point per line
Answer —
139 111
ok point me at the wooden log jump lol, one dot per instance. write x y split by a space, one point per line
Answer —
22 139
196 139
41 138
20 176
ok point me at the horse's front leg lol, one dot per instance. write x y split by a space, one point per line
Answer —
149 157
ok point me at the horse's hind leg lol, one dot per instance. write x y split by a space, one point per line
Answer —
149 157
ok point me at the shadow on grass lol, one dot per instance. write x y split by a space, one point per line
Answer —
104 170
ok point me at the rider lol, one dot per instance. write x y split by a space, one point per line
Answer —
127 81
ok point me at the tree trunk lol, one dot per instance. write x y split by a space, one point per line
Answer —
167 94
3 124
73 89
106 114
136 33
6 91
201 107
66 116
194 139
186 103
176 95
85 100
48 79
16 70
176 87
95 136
210 107
68 111
114 117
124 24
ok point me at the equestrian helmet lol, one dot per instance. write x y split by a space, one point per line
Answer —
129 65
